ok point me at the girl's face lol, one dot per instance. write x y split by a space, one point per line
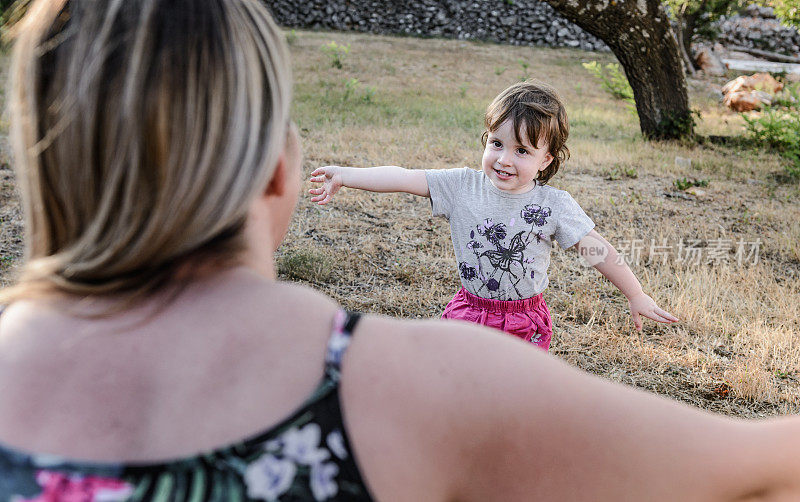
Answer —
509 165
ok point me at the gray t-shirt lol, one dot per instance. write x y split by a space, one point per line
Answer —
502 241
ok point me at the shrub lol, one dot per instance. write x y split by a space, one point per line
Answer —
613 80
684 183
336 53
352 90
678 125
618 172
777 127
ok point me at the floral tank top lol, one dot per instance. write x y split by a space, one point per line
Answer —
307 456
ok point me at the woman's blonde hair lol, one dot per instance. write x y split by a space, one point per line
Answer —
142 130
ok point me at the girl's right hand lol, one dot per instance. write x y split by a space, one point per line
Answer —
331 179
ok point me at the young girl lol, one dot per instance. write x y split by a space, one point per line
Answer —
503 219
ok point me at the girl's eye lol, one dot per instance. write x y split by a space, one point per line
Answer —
522 151
496 144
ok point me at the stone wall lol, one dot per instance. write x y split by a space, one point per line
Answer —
517 22
757 28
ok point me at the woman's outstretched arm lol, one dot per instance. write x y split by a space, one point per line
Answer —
471 414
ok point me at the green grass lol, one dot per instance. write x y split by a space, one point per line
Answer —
326 103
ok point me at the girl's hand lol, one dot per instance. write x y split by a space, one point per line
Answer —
331 179
642 304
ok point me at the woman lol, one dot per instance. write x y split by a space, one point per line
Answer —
148 352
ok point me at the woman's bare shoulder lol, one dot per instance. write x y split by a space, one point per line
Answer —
230 341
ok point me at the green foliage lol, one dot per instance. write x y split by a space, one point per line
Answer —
787 11
525 65
350 88
613 80
675 125
703 13
291 37
777 127
353 88
684 183
618 172
336 53
499 70
369 93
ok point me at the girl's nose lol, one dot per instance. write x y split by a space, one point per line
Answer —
504 159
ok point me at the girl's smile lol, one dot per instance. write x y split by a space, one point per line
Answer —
512 166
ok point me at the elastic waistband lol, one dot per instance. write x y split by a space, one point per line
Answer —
505 306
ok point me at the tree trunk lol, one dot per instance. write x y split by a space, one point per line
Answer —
683 46
639 34
688 21
689 24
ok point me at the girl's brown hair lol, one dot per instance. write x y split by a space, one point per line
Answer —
142 130
538 108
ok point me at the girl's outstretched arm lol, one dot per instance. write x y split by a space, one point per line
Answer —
374 179
602 256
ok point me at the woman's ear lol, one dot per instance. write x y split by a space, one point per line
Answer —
277 185
287 168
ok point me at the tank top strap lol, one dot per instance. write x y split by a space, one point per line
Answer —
339 341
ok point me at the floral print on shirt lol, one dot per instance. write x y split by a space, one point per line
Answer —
57 487
298 451
496 259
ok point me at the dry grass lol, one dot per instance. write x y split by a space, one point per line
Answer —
10 217
419 103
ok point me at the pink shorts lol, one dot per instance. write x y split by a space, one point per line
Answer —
528 319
